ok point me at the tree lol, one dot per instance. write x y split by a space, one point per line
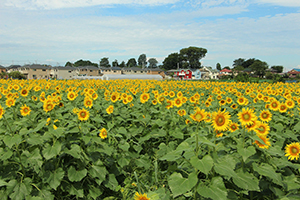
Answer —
131 62
16 75
80 63
247 63
259 68
142 60
104 62
192 56
122 65
115 63
238 62
172 61
278 68
152 63
218 66
227 67
238 68
69 64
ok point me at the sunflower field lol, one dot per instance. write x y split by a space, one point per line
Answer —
149 140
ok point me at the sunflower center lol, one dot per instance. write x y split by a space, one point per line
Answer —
265 116
82 114
294 150
246 116
274 105
25 110
198 116
233 127
220 120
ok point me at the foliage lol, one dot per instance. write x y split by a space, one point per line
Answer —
160 139
131 62
142 60
172 61
192 56
278 68
81 63
104 62
242 77
152 62
115 63
259 68
218 66
16 75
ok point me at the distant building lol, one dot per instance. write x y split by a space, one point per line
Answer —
63 72
89 71
2 69
35 71
293 73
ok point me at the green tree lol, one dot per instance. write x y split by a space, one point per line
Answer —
218 66
69 64
259 68
238 62
172 61
238 68
122 64
152 63
115 63
227 67
16 75
81 63
192 56
131 62
247 63
104 62
142 60
278 68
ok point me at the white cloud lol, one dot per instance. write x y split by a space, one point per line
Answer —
57 4
287 3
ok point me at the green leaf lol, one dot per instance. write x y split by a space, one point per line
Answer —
35 139
77 192
98 172
112 182
6 154
292 183
21 190
246 181
180 185
95 192
268 171
2 183
75 175
55 178
51 151
204 140
40 125
124 146
226 166
174 155
216 189
246 152
122 130
35 160
204 165
12 140
143 162
177 133
74 151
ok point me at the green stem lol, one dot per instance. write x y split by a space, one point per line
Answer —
7 124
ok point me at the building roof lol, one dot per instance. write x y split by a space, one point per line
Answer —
13 66
134 69
64 68
89 67
1 67
225 70
37 66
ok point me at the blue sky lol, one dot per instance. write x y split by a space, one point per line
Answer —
56 31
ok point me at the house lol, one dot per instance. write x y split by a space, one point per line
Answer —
225 72
35 71
293 73
155 71
2 69
183 74
63 72
134 70
111 70
209 73
13 68
89 71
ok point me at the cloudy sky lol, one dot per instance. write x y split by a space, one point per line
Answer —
56 31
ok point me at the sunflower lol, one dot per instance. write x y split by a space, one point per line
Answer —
233 127
253 126
154 102
219 134
71 95
88 102
181 112
290 103
24 92
139 196
282 108
75 110
48 106
83 115
234 106
114 97
274 105
25 110
171 94
292 150
103 133
169 104
228 100
178 102
262 128
241 101
265 140
199 115
220 120
10 102
1 111
247 116
192 99
222 102
265 116
144 97
187 121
